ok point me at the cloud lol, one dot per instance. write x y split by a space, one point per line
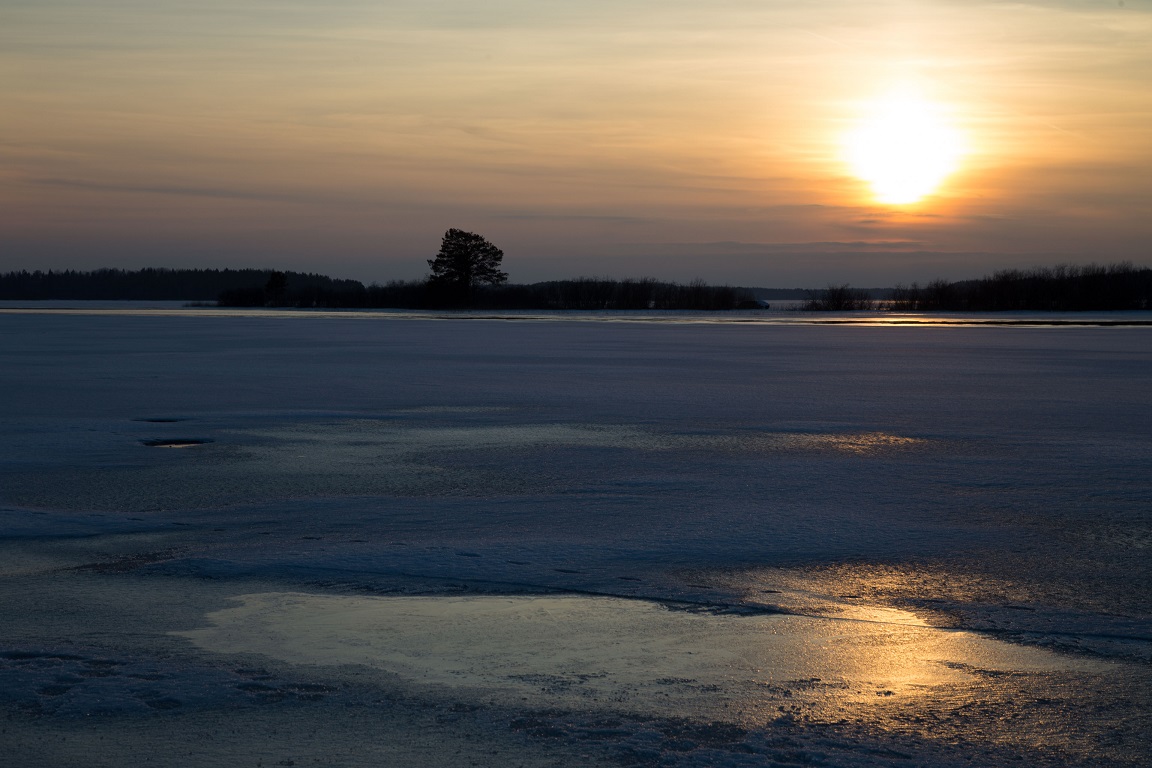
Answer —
169 189
822 246
570 217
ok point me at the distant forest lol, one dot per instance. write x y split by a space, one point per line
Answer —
271 288
154 284
1065 288
587 293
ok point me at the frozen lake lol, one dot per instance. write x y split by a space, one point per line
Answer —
231 538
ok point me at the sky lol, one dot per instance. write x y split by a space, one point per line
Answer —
660 138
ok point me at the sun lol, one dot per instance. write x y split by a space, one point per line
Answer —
904 148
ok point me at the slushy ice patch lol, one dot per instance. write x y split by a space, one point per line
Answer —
639 654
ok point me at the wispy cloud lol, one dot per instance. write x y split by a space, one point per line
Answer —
823 246
571 217
173 189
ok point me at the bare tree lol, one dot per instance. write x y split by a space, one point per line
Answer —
839 298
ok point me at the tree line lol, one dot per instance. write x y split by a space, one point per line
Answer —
1065 288
466 273
155 284
273 288
585 293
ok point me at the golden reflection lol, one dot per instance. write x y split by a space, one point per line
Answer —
860 444
641 655
904 148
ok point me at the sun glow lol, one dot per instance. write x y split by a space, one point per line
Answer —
904 148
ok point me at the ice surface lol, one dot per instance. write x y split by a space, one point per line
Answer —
990 479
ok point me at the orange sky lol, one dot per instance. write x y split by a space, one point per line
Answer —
672 138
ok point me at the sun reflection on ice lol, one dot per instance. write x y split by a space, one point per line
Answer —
856 443
646 656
